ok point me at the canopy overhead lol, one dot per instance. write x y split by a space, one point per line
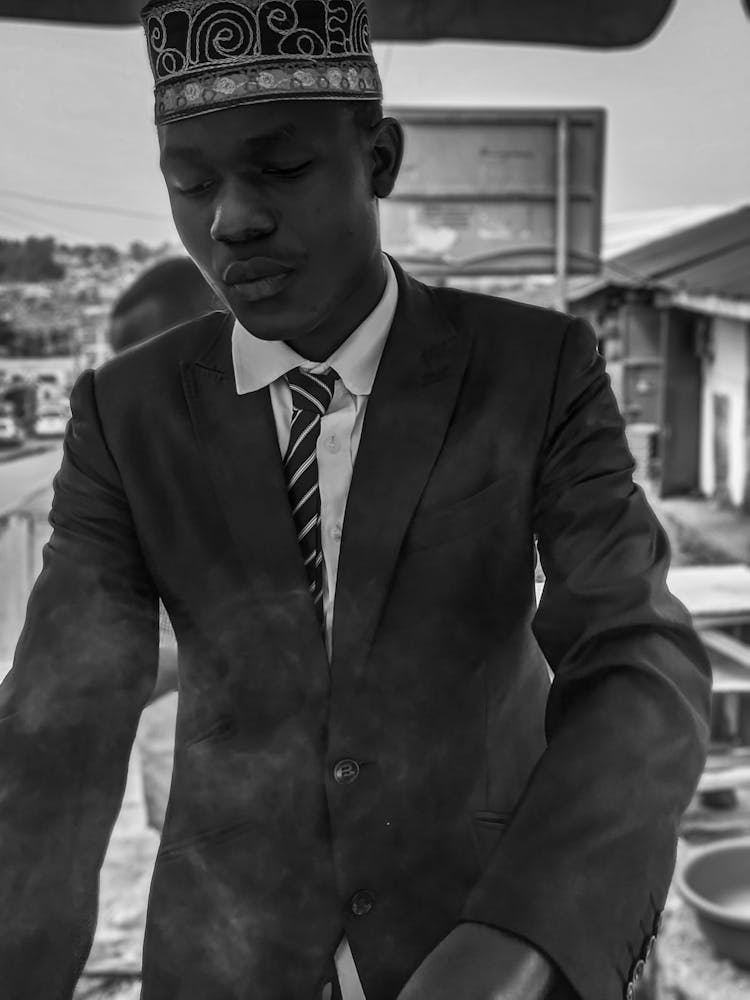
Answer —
593 23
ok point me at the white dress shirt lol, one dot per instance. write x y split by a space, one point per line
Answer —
261 363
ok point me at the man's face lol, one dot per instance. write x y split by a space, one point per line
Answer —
275 204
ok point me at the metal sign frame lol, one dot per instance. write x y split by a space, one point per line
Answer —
563 120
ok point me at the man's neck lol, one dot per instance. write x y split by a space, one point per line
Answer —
320 344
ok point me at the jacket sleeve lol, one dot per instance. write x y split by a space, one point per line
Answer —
84 666
583 870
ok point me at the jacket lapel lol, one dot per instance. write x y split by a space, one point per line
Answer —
407 417
239 443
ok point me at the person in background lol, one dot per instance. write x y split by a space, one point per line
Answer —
378 791
166 294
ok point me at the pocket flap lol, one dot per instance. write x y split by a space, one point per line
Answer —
488 828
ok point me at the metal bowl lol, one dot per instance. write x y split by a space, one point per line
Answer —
715 881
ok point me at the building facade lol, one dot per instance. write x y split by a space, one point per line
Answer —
674 317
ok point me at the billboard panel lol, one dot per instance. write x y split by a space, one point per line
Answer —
498 192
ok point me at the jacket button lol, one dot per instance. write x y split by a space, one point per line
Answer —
630 991
638 968
345 772
362 903
649 948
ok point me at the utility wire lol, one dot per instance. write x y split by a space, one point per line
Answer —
610 265
24 220
83 206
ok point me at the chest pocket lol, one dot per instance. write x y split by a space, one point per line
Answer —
463 518
487 828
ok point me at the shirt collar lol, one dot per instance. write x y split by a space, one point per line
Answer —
258 363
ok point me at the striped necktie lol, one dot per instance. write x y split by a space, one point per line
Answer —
311 397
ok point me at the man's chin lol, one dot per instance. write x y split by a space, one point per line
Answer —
267 320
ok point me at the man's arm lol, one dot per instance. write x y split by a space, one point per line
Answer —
84 668
475 962
584 866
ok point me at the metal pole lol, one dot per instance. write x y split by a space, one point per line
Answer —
561 241
664 432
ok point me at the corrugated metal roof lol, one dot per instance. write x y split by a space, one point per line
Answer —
726 275
711 258
624 231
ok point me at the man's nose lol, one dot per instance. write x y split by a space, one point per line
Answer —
240 215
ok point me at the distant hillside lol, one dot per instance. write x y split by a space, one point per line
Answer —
32 259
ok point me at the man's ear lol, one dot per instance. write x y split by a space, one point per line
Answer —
387 154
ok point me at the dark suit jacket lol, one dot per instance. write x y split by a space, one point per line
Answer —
482 794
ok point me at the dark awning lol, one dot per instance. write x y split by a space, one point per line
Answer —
597 23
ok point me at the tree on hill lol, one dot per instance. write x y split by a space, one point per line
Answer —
7 338
107 256
140 252
32 259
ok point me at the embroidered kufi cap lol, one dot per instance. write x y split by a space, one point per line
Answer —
207 55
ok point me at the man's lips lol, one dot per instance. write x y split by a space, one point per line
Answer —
243 272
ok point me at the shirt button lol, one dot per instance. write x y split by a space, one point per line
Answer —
332 444
362 903
346 772
336 532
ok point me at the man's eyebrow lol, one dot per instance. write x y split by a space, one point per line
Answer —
185 153
252 143
272 138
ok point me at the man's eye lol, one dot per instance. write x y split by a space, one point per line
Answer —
292 171
194 189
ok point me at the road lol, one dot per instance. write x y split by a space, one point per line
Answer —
23 476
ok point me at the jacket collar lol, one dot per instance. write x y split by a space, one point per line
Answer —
258 363
408 415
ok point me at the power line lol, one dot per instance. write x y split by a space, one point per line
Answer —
83 206
623 270
25 221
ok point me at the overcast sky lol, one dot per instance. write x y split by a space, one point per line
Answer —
75 116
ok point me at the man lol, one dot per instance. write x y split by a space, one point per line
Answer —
335 492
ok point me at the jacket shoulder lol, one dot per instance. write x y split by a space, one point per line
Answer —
163 353
493 314
514 343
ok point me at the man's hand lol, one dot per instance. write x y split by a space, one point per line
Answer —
475 962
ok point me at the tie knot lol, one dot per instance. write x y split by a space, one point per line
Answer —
311 392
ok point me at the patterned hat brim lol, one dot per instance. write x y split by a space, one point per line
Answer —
329 80
207 55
